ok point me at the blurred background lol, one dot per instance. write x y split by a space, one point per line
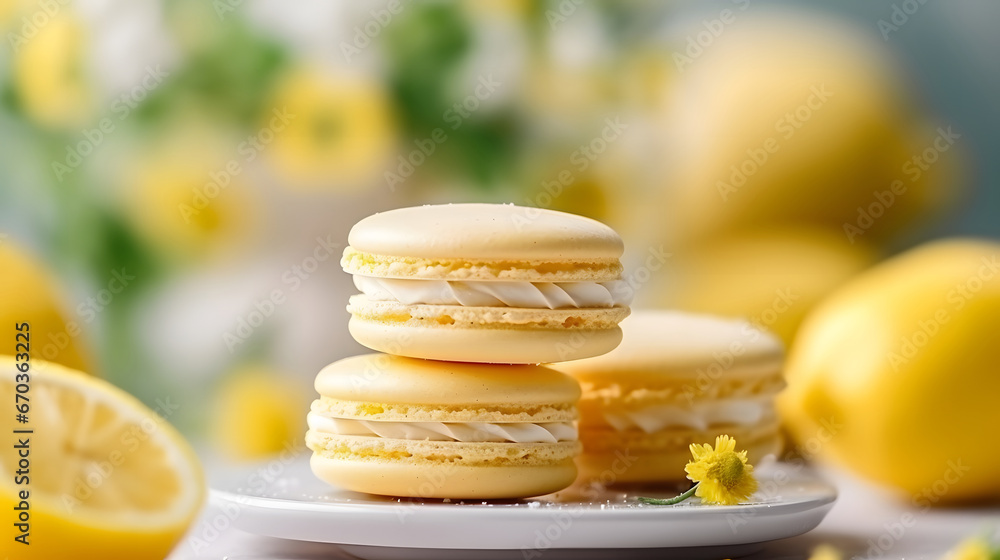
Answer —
178 177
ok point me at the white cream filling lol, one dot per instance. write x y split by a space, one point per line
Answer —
518 432
532 295
699 416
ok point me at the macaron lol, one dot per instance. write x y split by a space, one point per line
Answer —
418 428
676 379
493 283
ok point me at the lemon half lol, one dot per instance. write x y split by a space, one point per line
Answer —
106 476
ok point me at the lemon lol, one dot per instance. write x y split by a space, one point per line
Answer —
258 413
795 119
27 295
106 476
895 375
330 131
187 199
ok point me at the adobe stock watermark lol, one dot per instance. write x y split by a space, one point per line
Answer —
894 531
210 529
656 259
697 43
32 24
225 7
786 128
580 161
432 483
121 108
899 16
247 151
562 518
453 117
104 467
913 168
562 12
291 281
365 34
427 488
955 300
87 312
798 459
709 377
545 538
380 363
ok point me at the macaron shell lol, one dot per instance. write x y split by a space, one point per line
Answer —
517 411
444 481
673 344
442 469
487 345
660 458
644 391
389 266
458 317
394 379
428 452
485 232
672 359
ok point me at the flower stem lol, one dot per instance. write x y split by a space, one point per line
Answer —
669 501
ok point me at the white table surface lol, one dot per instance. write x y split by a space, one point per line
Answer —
864 523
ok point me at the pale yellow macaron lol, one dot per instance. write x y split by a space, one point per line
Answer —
676 379
419 428
492 283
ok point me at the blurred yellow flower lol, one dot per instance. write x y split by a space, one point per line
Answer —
723 475
190 199
28 294
50 73
338 131
975 548
499 8
567 93
257 413
647 78
826 552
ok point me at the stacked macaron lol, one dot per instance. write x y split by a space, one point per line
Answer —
466 300
486 283
676 379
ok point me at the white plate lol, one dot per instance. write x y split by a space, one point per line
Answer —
287 501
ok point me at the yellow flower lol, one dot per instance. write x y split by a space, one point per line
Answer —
975 548
724 477
50 74
258 412
562 93
337 131
189 197
490 10
826 552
